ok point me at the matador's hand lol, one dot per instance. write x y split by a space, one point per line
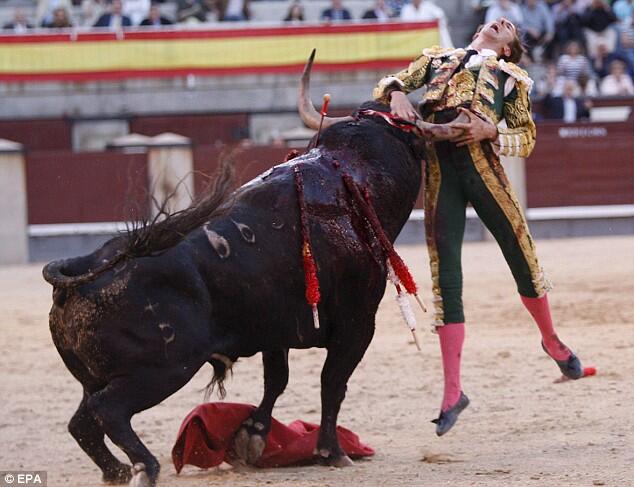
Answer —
474 130
401 106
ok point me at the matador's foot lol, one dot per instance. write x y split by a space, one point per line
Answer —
570 367
448 418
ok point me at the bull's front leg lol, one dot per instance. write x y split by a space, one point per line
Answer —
250 439
344 354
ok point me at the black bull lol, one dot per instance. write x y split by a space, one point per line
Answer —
135 332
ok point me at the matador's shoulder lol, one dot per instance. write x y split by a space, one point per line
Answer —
437 51
517 73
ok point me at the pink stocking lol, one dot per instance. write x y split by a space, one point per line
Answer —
540 311
451 337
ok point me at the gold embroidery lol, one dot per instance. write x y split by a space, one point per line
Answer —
432 189
519 121
485 111
412 78
437 86
484 96
492 174
488 94
459 91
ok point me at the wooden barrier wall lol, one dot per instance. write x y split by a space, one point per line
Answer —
581 164
45 134
250 161
572 165
67 187
206 129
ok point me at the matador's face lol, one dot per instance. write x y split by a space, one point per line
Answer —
500 32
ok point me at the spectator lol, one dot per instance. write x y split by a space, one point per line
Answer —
45 8
573 62
480 8
624 10
618 82
154 18
538 25
597 21
550 82
137 10
336 12
567 16
19 25
626 43
60 19
587 86
194 11
295 12
90 11
568 106
114 19
504 8
233 10
603 60
426 10
380 12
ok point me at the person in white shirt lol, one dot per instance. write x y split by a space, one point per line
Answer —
426 10
618 82
137 10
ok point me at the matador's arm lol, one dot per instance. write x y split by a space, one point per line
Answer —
407 80
518 137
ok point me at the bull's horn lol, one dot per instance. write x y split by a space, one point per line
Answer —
53 272
307 111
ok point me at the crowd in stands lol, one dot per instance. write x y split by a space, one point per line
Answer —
578 48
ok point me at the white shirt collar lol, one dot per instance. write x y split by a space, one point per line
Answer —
483 52
477 59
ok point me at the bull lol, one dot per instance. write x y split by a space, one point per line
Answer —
137 318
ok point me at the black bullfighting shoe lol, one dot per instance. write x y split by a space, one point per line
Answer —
448 418
571 367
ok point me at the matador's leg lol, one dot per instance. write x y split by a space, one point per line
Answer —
444 226
497 206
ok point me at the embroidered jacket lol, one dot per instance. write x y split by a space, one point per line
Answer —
494 89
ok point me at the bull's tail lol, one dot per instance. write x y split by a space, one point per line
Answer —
222 365
148 237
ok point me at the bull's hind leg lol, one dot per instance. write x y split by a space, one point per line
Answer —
250 439
114 406
345 351
90 437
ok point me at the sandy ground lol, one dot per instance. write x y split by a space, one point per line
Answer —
521 428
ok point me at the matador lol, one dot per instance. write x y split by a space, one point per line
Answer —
483 84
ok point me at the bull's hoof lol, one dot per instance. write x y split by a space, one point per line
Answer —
118 475
140 477
248 446
330 460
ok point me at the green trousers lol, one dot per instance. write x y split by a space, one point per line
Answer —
454 177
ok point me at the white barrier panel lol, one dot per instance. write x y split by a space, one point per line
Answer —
13 214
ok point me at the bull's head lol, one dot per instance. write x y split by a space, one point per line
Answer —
311 117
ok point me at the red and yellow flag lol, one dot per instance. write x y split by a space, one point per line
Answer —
221 51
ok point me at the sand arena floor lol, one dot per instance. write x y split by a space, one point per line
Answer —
521 428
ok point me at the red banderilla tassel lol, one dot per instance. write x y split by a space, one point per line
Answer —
324 111
313 295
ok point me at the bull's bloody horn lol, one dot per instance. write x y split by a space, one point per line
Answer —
309 115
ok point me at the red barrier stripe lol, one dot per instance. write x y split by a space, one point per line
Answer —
121 74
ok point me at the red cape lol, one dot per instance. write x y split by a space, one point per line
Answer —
206 435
